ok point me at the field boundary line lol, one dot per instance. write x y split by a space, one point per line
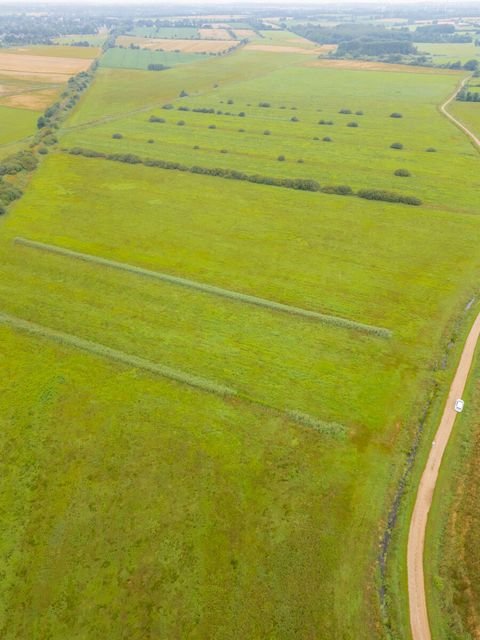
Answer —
417 599
457 123
207 288
114 354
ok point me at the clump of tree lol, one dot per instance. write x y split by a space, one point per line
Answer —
465 95
153 66
327 139
156 119
281 158
117 136
203 110
8 193
352 124
21 161
388 196
294 119
339 190
264 105
168 106
326 122
360 39
403 173
345 111
430 150
395 114
396 145
439 33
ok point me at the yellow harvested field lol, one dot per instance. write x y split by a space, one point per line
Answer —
244 33
284 48
57 51
375 66
11 63
214 34
35 100
185 46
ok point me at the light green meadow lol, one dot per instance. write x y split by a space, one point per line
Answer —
139 507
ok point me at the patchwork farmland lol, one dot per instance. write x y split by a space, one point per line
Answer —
222 326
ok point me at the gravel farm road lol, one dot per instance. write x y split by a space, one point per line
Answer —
416 537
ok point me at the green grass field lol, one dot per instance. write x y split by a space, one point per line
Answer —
117 58
468 113
176 33
95 40
360 157
453 553
443 53
16 124
284 38
253 521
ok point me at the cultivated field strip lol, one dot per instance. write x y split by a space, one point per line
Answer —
113 354
206 288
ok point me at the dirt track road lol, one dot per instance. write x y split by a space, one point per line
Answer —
416 537
461 126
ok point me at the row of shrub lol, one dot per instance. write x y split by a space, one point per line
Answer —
21 161
301 184
8 193
388 196
56 112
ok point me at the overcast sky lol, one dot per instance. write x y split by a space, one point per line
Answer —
229 3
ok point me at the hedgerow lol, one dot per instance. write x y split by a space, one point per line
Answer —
300 184
388 196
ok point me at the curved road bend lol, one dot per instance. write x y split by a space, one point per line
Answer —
416 537
461 126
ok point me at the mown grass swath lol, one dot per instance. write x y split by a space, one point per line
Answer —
114 354
234 295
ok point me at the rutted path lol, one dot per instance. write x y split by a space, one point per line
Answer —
416 537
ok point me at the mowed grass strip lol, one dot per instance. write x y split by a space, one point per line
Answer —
114 354
226 293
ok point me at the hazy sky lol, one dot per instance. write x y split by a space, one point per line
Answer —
227 3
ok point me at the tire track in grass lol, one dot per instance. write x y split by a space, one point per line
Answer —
335 321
